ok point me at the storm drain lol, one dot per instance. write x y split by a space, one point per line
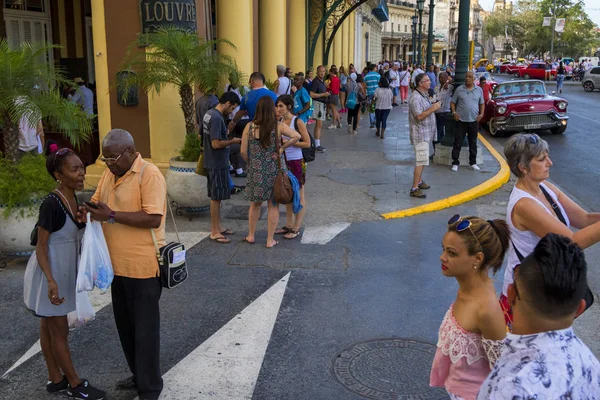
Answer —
388 369
241 212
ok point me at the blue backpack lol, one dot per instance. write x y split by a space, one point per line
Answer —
351 101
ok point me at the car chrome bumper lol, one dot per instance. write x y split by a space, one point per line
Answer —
532 121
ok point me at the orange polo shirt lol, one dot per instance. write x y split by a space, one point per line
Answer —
132 250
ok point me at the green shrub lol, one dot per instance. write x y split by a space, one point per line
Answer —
191 148
23 183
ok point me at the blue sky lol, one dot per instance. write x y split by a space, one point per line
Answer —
594 14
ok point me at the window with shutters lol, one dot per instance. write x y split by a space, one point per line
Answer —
27 21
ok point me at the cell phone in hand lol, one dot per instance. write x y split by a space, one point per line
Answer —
93 205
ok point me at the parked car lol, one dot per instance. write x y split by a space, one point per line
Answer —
591 79
524 105
536 71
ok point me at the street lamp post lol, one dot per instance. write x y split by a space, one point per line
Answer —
420 6
414 37
430 36
462 48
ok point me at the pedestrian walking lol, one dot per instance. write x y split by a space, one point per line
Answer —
560 77
283 84
302 100
443 114
261 150
343 83
50 277
404 79
319 94
372 83
383 104
334 99
356 90
131 198
422 128
294 160
543 358
216 161
467 107
394 80
470 336
536 208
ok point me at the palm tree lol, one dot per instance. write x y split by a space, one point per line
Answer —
30 89
180 59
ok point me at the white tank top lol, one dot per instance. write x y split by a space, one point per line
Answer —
293 153
285 86
524 241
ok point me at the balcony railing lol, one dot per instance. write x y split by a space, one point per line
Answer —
402 3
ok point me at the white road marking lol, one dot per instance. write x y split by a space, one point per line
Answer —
189 239
323 234
226 365
99 301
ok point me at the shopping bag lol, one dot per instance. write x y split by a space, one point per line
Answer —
84 312
95 268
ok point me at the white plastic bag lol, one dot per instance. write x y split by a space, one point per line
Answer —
95 268
84 312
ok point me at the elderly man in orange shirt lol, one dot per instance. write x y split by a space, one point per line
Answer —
131 198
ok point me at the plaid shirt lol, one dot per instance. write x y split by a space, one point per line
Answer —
420 131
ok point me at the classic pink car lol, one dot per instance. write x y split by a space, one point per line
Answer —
514 68
524 105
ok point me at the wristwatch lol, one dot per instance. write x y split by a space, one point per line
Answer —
111 218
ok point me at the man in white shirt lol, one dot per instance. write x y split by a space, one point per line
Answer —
415 73
394 82
84 97
542 357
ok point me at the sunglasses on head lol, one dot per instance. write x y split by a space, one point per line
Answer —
463 225
60 152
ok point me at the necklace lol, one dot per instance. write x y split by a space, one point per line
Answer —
66 201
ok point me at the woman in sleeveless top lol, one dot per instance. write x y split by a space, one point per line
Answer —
259 150
343 83
530 214
295 163
50 277
471 334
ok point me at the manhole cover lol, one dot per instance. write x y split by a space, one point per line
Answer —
241 212
388 369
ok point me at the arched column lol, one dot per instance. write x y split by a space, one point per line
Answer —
238 31
272 36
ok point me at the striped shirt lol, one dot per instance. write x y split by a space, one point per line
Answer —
420 131
372 82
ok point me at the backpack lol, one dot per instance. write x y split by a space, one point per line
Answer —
309 153
351 101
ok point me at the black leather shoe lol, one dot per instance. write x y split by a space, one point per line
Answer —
127 384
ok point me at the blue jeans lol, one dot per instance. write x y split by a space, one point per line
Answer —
560 78
381 117
371 115
231 185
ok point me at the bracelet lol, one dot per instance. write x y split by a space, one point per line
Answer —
111 218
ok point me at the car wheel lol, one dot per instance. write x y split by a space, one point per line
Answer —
588 86
493 127
526 76
559 130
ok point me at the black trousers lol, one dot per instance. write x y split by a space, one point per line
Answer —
470 129
137 316
353 116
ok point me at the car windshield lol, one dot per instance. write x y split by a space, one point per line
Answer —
519 89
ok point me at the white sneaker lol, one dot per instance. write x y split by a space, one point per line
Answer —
350 129
354 132
332 126
455 168
475 167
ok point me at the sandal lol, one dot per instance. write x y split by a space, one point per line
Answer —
227 231
292 234
270 247
220 239
284 230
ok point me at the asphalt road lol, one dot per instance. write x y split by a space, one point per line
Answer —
575 153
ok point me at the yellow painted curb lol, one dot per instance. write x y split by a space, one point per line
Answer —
482 189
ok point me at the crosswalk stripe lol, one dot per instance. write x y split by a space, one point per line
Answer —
323 234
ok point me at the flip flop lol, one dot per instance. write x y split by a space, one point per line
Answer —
270 247
221 239
284 230
227 231
247 241
292 232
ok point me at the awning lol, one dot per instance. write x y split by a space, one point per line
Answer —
381 12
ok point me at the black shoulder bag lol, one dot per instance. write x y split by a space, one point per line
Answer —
588 296
308 153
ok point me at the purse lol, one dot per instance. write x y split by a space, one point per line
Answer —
283 192
171 257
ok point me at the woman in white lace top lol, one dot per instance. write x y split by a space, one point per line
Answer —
471 334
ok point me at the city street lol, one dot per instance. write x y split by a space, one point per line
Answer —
351 316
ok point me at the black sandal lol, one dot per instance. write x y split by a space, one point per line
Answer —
292 232
284 230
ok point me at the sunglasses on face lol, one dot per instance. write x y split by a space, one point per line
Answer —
111 160
463 225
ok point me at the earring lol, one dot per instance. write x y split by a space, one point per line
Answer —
58 181
475 266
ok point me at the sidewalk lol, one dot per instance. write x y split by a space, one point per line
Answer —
358 178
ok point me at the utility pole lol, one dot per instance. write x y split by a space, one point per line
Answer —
430 36
420 4
552 23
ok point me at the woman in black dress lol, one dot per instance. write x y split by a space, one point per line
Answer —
50 277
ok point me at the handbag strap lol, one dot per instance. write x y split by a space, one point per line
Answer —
555 206
278 147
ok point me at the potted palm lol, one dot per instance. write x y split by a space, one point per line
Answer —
29 92
181 59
